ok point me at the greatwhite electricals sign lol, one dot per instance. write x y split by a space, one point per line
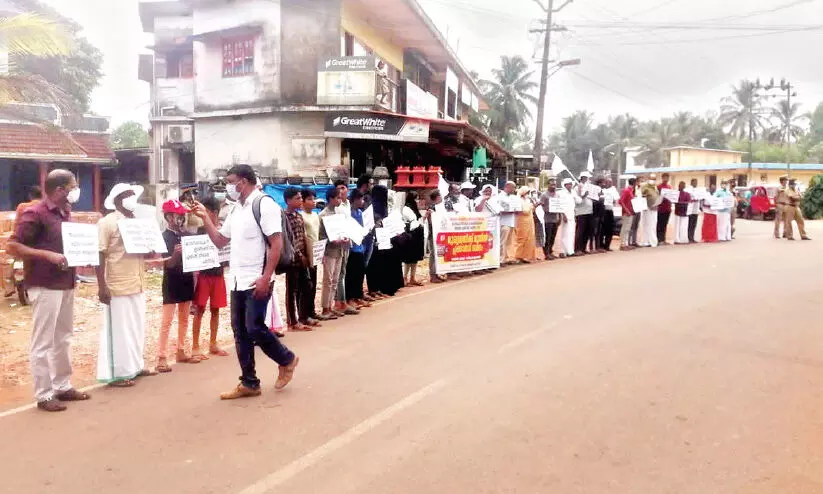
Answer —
363 125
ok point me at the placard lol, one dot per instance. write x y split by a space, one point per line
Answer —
394 224
608 199
729 202
617 211
440 208
555 204
335 226
355 231
81 244
700 194
384 237
639 204
368 219
466 243
141 236
716 203
318 251
541 214
199 253
670 194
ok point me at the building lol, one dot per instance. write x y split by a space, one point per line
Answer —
712 166
298 86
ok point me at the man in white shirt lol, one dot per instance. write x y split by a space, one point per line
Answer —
693 210
610 197
251 263
583 214
570 199
508 217
340 301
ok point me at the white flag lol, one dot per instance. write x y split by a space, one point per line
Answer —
442 186
558 166
590 163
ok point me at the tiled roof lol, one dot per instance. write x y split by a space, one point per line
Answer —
42 141
726 166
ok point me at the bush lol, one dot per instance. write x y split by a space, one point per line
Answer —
812 204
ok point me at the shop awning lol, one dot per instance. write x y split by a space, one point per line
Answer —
44 143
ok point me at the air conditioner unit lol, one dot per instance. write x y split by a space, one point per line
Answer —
179 134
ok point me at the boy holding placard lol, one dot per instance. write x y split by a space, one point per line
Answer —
210 288
312 222
177 287
335 247
356 268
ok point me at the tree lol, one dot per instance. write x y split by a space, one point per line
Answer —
129 135
742 110
509 94
812 204
787 117
32 36
76 70
816 125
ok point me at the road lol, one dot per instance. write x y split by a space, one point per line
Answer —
689 369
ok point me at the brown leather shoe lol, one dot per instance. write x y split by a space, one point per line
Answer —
241 391
286 373
51 405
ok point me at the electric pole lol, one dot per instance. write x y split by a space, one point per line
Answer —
787 86
544 79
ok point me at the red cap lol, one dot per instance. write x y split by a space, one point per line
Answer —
174 206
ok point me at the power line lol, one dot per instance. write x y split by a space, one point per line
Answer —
697 40
755 13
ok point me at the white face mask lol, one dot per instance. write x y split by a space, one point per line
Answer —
231 190
130 203
74 195
220 196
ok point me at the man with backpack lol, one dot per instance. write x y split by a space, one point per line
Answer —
254 227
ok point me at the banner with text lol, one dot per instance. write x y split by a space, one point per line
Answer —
466 242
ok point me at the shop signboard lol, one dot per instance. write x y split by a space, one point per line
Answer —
377 126
419 103
346 81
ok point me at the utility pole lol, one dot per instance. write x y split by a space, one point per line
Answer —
787 86
544 78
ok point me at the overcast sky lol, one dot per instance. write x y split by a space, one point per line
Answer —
646 70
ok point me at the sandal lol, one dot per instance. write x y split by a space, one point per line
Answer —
182 358
199 357
125 383
312 322
147 373
301 327
219 352
72 395
162 366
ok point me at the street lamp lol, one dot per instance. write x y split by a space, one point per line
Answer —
538 137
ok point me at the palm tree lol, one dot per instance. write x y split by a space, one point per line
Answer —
509 95
574 140
741 112
624 130
786 116
32 35
657 136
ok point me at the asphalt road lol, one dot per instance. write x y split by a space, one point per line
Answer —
694 369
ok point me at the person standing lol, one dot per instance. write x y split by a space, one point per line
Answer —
781 202
255 252
312 223
598 216
508 219
583 215
356 270
332 258
709 230
435 199
724 225
693 210
570 200
38 240
35 195
792 212
664 211
681 215
610 197
210 289
628 215
340 300
120 284
649 217
552 220
298 282
412 252
524 242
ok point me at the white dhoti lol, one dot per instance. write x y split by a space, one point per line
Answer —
681 229
724 226
567 236
122 339
648 220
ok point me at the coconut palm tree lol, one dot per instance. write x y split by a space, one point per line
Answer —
787 117
624 131
509 94
32 35
742 110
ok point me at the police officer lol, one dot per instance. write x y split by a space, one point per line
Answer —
780 204
792 212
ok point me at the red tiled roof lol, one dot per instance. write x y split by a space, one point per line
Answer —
22 139
96 145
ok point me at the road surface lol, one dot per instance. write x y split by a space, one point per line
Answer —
694 369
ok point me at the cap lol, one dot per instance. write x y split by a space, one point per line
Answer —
567 181
466 185
174 206
585 174
120 189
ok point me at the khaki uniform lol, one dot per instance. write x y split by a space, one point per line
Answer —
780 204
792 212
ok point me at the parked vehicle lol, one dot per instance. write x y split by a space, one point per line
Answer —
757 201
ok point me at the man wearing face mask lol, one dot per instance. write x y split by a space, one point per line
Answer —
252 262
120 281
38 241
648 218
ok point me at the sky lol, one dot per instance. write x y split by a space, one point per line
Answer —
632 61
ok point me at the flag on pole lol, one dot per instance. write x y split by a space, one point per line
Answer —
442 186
558 167
590 163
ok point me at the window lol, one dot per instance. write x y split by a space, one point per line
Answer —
238 57
179 65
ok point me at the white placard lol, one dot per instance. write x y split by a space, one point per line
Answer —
81 244
199 253
318 251
514 204
617 211
394 224
355 231
593 190
639 204
224 254
336 226
729 202
670 194
541 214
368 219
383 238
716 203
440 208
608 200
555 204
141 236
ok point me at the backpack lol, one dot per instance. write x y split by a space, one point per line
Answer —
287 252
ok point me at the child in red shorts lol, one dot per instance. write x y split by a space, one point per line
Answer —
211 288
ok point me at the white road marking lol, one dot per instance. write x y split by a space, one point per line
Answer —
526 337
284 474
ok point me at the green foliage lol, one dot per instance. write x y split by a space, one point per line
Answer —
766 152
812 204
129 135
816 125
509 95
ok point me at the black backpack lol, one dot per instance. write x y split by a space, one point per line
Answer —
287 253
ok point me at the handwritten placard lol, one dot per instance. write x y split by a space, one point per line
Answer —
394 224
81 244
335 226
368 219
639 204
199 253
384 237
355 231
318 250
728 202
617 211
670 194
555 205
141 236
